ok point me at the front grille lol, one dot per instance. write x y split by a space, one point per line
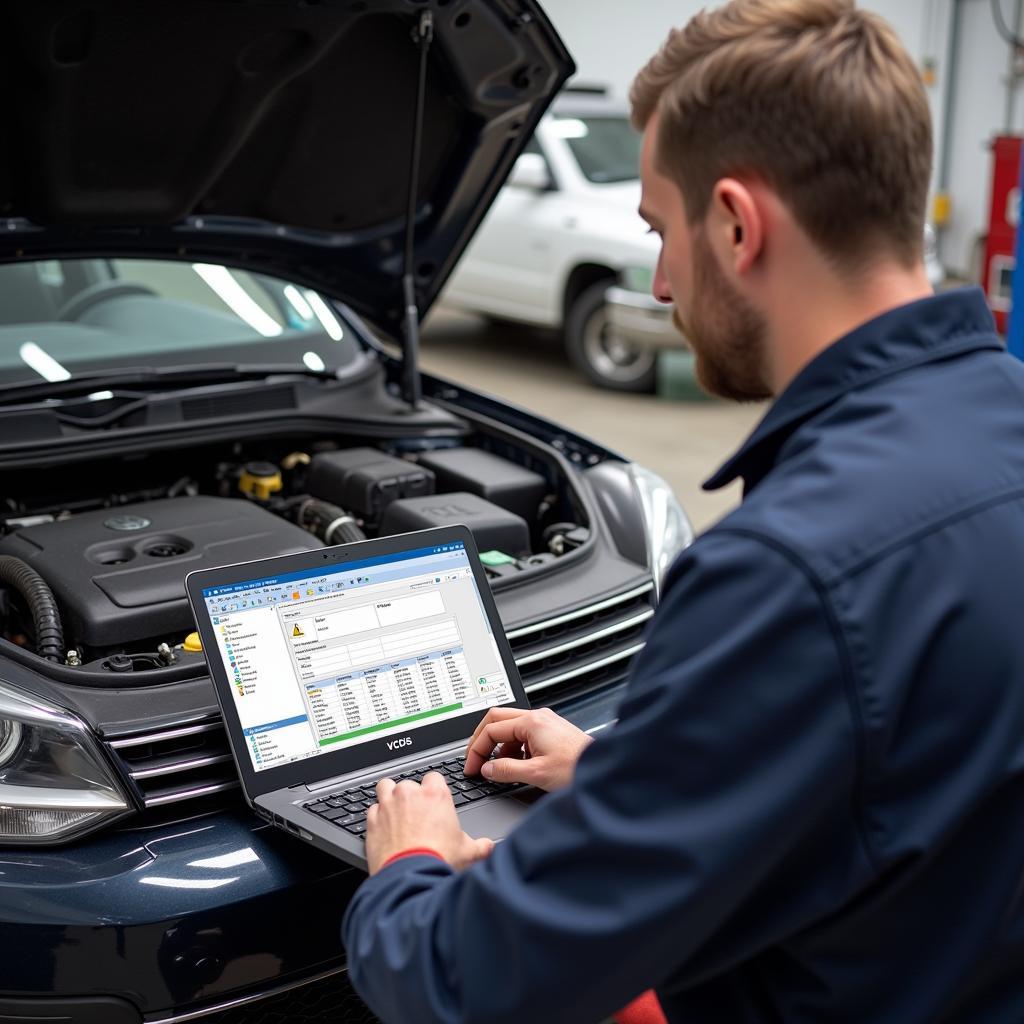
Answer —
187 763
188 769
582 650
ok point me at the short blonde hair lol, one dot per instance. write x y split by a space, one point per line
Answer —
817 98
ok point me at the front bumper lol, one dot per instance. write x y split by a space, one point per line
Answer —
641 320
215 919
171 918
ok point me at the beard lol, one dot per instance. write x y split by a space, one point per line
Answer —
726 333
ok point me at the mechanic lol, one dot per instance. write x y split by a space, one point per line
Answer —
811 807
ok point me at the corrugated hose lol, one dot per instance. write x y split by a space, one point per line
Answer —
49 630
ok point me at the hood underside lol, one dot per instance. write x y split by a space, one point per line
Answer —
273 135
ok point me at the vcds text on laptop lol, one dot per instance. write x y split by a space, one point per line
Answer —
340 666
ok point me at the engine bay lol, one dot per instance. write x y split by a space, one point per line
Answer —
92 560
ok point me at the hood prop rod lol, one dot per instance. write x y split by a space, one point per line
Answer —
422 36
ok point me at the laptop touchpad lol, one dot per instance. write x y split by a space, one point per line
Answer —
494 819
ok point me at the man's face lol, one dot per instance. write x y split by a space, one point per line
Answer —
727 334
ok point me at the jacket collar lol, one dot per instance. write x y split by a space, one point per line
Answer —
920 332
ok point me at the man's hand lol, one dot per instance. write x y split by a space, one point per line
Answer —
537 747
409 816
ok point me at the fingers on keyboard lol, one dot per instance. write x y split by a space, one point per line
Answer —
348 809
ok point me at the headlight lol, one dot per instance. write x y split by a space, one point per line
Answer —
54 784
10 740
668 528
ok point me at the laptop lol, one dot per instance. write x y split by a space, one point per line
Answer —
340 666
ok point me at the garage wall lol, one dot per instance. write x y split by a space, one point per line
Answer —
611 41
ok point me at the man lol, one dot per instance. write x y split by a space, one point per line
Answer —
812 805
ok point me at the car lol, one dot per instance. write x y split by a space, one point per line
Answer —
564 247
212 214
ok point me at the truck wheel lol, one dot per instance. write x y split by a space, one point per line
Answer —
594 348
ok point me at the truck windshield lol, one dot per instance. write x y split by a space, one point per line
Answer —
606 148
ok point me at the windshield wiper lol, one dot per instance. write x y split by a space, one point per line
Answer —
152 378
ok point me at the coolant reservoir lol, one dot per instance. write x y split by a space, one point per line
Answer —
260 480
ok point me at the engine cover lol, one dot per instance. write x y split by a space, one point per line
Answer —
118 574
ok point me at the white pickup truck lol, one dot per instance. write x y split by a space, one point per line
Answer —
563 246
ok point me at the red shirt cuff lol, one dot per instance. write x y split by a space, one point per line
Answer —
645 1009
416 851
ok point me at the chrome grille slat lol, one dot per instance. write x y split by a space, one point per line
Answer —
178 795
169 734
561 658
580 613
618 627
175 767
575 673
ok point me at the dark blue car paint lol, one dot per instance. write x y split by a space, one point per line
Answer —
81 920
177 916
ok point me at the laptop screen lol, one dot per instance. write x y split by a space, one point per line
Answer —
320 661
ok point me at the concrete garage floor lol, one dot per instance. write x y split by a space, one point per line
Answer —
683 441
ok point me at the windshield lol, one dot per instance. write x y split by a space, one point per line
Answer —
606 148
59 318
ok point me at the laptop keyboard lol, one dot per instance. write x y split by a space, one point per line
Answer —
348 809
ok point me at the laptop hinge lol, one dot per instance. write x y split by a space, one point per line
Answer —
381 770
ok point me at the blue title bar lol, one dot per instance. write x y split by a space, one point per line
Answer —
330 570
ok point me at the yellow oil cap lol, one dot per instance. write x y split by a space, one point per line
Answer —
260 480
192 643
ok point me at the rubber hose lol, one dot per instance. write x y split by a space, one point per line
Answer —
41 603
330 523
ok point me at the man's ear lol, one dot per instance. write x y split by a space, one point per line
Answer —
735 225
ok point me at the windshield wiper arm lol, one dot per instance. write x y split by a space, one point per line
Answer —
153 378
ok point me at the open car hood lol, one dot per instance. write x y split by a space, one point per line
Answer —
274 135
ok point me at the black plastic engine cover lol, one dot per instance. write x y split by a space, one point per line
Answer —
493 528
503 483
118 573
365 481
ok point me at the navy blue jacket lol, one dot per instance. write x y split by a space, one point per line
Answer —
812 806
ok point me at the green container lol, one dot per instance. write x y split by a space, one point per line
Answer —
676 380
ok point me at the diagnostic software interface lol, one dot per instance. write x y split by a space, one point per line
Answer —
326 660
